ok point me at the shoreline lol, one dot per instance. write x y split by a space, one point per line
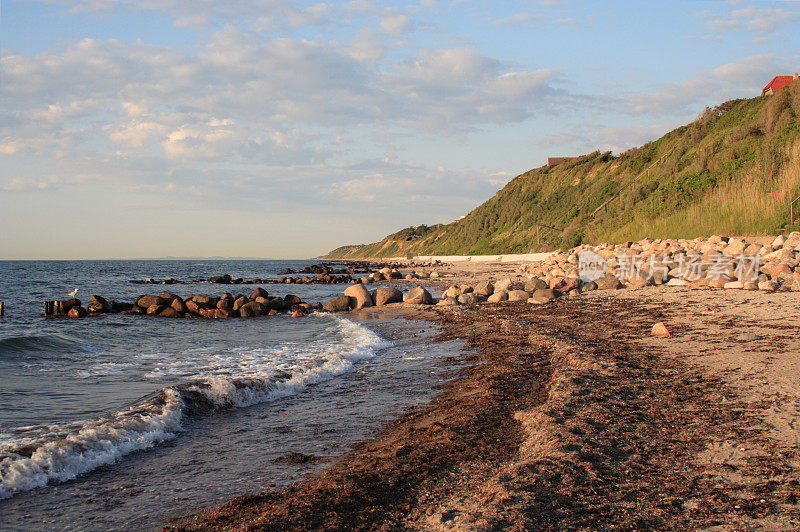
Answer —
570 415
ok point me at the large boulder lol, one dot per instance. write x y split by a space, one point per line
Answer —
251 309
179 306
77 312
485 289
259 292
337 304
608 282
291 299
202 301
192 307
359 295
385 295
534 283
467 299
452 291
220 279
98 304
546 293
503 284
277 304
564 284
497 297
419 296
148 301
239 303
155 310
518 295
170 312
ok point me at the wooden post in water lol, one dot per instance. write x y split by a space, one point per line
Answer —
2 308
48 308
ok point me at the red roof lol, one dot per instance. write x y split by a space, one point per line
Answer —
778 83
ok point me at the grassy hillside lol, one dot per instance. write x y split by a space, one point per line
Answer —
733 170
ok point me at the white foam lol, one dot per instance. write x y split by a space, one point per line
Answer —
64 452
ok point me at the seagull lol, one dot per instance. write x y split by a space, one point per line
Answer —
73 293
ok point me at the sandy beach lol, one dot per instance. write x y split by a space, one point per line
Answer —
571 415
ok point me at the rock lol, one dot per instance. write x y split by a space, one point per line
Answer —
503 284
589 287
750 285
227 304
298 314
220 279
263 300
452 291
77 311
538 300
169 312
546 293
291 299
419 296
497 297
366 280
778 242
434 274
467 299
179 306
734 248
534 283
202 301
155 309
251 309
277 304
768 286
485 289
98 304
337 304
447 302
733 285
752 250
518 295
608 282
259 292
192 307
564 284
775 270
677 282
148 301
660 330
360 296
239 303
385 295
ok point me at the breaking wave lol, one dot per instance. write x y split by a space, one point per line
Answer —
33 457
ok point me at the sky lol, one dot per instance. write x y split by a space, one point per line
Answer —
278 129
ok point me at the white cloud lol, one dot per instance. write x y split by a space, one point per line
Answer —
396 24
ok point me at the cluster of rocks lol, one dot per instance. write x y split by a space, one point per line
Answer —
322 278
323 267
392 274
713 262
357 296
259 303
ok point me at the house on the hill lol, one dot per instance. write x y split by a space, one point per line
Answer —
552 161
778 83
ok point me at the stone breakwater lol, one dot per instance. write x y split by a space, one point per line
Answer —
323 273
167 305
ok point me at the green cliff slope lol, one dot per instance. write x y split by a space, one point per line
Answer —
733 170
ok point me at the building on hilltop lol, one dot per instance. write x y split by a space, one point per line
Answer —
558 160
778 83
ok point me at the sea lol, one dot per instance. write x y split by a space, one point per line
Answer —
114 422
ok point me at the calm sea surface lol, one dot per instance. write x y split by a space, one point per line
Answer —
117 421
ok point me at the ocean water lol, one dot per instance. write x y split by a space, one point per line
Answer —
116 421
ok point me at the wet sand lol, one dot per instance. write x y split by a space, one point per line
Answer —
570 415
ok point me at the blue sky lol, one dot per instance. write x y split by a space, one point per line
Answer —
284 129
